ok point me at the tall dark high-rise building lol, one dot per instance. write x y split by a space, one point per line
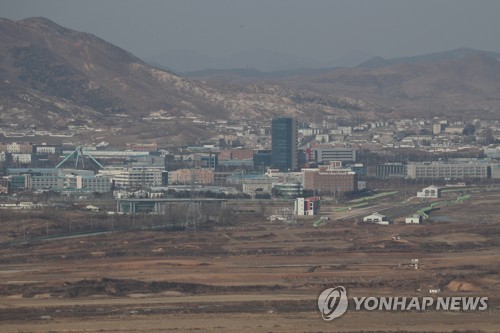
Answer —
284 144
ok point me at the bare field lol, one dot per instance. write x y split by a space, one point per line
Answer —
252 276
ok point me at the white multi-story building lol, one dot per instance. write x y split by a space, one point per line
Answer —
306 206
45 182
134 176
94 183
21 158
45 149
345 129
442 170
13 147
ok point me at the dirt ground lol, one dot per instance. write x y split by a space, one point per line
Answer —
253 276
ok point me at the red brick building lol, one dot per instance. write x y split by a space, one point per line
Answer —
329 180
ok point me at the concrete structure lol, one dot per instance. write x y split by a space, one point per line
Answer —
99 184
57 179
390 170
438 128
16 148
285 144
323 155
134 176
322 138
414 219
19 182
147 161
241 154
261 184
284 177
187 176
376 218
104 154
47 149
4 185
307 206
332 179
47 182
345 129
262 159
21 158
454 130
443 170
34 171
289 190
160 206
359 168
495 171
208 160
492 152
430 192
145 147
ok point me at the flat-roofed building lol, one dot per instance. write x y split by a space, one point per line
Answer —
187 176
390 170
324 155
260 184
134 176
21 158
376 218
307 206
47 149
99 184
414 219
142 146
47 182
495 171
492 152
444 170
14 147
332 179
285 144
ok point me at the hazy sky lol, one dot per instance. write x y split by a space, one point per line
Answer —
321 29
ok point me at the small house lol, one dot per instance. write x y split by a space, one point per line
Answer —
430 192
376 218
414 219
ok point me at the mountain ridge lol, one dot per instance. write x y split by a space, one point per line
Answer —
54 77
379 62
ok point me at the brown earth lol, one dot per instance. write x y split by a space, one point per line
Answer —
249 276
